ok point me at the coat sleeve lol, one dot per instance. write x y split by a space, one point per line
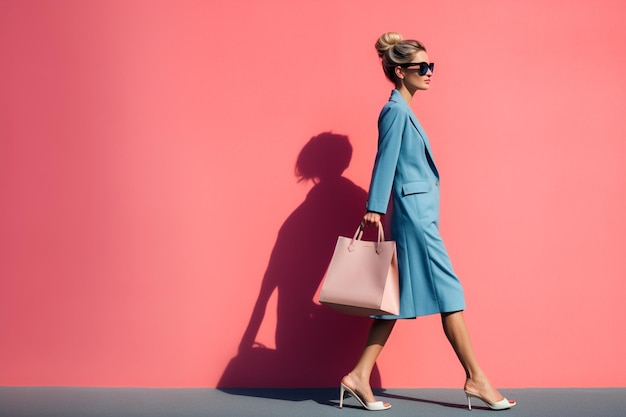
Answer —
390 127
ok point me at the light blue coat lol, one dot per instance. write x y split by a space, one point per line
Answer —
405 170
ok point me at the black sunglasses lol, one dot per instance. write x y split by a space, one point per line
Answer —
423 67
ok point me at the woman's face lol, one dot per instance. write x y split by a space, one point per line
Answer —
410 76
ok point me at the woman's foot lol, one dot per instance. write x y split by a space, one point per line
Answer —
481 388
361 389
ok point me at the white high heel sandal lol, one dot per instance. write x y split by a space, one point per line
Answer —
375 406
503 404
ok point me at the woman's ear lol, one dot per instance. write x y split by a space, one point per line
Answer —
399 72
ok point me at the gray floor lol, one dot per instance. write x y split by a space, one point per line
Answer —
135 402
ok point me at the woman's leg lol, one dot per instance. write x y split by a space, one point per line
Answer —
359 378
476 381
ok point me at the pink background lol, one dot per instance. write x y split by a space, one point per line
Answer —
147 153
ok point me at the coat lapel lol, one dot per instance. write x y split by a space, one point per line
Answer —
397 97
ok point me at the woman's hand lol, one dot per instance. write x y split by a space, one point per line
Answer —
371 218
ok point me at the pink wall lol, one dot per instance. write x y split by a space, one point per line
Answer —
147 188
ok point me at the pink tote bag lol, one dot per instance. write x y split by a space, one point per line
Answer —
362 278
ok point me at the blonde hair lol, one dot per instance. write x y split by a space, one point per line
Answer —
394 51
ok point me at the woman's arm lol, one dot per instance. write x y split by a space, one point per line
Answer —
390 127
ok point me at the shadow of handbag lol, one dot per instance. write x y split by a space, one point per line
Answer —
362 278
252 367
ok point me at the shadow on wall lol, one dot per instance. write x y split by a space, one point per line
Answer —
315 346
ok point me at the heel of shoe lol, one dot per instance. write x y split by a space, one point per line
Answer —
342 391
469 402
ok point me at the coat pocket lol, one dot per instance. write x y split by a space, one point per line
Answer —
415 187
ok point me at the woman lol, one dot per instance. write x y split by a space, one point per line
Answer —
405 169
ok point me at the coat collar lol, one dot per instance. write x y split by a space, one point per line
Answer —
397 98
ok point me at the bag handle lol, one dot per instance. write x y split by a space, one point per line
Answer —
359 234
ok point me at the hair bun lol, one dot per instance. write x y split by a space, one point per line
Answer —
387 41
